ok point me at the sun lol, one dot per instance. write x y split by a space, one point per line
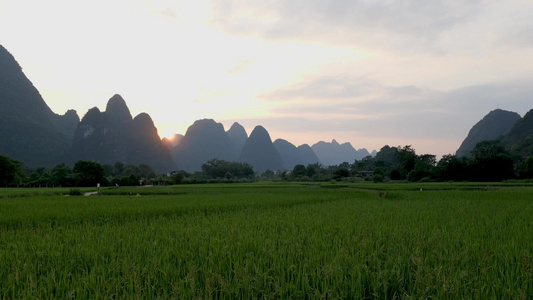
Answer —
169 136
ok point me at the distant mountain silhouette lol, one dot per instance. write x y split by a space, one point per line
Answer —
260 153
308 156
334 153
238 136
362 153
493 126
67 123
32 133
292 155
203 141
96 139
519 140
146 147
29 130
117 111
113 136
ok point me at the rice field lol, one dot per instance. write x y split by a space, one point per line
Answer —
313 241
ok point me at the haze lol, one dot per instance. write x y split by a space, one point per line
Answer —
372 73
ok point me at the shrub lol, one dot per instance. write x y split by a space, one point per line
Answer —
377 178
75 192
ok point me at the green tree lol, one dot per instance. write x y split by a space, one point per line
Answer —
299 171
407 158
315 171
389 155
311 170
268 174
41 176
218 168
119 168
129 170
178 177
378 174
395 161
341 172
395 174
109 170
424 167
488 149
492 162
11 172
366 164
526 168
61 175
89 173
452 167
145 171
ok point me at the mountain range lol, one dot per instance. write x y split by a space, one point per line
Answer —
334 153
114 136
32 133
206 139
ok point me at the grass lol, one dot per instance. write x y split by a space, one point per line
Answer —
271 241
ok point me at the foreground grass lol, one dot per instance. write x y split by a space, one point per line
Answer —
270 241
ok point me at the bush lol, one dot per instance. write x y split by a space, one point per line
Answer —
75 192
377 178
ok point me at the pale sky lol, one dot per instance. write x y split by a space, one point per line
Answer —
372 73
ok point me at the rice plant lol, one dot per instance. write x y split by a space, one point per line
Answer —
270 241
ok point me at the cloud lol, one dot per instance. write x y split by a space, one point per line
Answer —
406 112
400 70
518 34
344 95
324 88
347 22
240 66
169 12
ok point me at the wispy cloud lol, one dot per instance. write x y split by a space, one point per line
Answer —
377 24
407 112
324 88
240 66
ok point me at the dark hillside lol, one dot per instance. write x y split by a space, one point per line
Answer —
259 151
519 139
494 125
29 130
203 141
113 136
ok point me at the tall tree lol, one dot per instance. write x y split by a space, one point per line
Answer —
452 167
62 175
424 167
492 162
526 168
11 172
218 168
89 173
299 171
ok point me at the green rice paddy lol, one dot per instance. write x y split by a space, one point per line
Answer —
312 241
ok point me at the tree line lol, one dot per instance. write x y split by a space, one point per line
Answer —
489 161
83 173
89 173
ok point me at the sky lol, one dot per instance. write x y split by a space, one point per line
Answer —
372 73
